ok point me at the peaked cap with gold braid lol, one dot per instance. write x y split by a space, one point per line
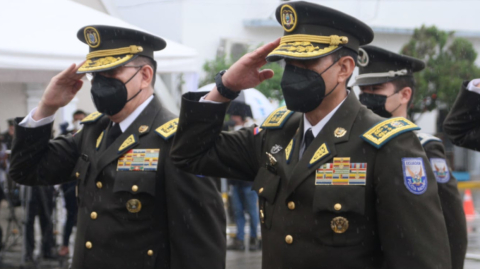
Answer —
312 31
111 47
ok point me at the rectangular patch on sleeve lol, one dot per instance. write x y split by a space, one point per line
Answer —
139 160
440 170
414 175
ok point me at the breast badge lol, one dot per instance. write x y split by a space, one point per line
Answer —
339 225
440 170
134 205
414 175
139 160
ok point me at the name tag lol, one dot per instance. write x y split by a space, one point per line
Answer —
139 160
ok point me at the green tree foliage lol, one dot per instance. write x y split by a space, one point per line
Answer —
449 61
270 88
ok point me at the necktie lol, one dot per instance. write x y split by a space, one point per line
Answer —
308 138
113 133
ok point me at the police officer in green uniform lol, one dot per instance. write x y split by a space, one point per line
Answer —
462 122
338 186
136 210
387 85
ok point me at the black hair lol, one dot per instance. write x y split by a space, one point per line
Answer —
403 82
144 60
79 112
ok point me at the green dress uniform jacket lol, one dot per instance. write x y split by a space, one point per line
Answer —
306 222
452 202
128 217
462 123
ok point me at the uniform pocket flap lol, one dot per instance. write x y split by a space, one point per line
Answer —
135 182
339 199
81 169
266 184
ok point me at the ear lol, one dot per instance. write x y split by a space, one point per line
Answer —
405 95
347 65
147 76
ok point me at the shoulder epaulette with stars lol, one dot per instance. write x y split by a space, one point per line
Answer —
277 118
92 118
167 129
384 131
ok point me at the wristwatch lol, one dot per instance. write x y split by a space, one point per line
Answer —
224 91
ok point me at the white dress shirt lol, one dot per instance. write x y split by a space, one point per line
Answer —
29 122
471 85
317 127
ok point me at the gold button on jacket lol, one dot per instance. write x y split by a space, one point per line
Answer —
289 239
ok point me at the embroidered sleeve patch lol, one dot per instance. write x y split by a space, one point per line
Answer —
168 129
277 119
383 132
440 170
414 175
341 172
139 160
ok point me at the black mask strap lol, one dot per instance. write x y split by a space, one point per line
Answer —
129 81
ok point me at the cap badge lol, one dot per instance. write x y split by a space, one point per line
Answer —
363 58
289 18
92 37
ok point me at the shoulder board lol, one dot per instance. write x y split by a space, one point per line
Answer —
92 118
168 129
426 138
277 118
384 131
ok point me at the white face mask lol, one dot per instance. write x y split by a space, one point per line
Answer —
237 127
77 125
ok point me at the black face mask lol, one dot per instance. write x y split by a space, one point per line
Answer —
303 89
376 103
110 94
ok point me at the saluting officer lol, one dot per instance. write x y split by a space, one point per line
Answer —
387 86
462 123
136 210
347 189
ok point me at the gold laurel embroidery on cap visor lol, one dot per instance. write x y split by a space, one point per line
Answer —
302 45
92 65
92 37
289 18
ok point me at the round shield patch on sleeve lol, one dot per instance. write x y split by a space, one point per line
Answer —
440 170
414 175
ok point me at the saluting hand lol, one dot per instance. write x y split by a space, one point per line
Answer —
60 91
245 73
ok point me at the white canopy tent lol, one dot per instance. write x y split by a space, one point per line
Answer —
42 35
39 39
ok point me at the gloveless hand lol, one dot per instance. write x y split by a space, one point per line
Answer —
60 91
245 73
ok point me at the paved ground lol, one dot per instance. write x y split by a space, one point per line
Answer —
11 258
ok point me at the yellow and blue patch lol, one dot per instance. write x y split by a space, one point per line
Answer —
414 175
341 172
321 153
289 150
92 118
383 132
440 170
131 141
168 129
139 160
99 140
277 118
